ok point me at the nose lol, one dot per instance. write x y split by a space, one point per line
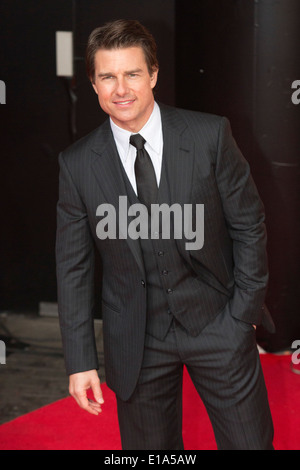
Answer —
121 87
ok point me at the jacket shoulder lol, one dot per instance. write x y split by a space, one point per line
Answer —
199 124
193 116
85 144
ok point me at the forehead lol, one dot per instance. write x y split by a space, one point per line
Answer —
120 59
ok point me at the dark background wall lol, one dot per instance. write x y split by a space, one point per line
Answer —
35 125
232 57
239 58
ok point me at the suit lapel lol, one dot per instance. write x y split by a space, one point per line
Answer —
179 161
179 154
106 167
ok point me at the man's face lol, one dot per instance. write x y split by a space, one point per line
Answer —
124 86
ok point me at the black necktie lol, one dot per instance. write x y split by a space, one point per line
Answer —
144 172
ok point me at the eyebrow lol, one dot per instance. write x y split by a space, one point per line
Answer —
109 74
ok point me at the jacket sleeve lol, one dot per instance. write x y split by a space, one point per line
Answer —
75 276
244 214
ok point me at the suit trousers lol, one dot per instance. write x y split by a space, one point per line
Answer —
223 363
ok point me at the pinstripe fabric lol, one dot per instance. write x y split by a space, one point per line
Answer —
204 166
234 394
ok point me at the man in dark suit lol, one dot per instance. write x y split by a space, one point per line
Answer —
166 304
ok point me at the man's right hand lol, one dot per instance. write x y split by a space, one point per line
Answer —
79 384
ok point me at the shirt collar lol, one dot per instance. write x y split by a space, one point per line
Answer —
152 133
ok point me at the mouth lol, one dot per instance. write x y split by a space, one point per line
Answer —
123 103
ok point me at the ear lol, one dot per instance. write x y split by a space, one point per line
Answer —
95 88
153 78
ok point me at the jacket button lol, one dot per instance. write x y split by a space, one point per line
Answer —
169 291
143 283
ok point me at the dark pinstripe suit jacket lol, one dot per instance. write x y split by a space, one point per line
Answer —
204 166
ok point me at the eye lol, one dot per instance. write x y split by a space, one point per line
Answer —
107 77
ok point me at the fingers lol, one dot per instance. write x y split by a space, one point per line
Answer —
79 384
96 389
87 404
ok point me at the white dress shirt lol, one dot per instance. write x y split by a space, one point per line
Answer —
152 133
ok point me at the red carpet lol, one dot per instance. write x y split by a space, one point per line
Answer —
63 426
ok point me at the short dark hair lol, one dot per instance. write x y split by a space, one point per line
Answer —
121 34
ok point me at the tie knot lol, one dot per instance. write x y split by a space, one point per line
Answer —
137 141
